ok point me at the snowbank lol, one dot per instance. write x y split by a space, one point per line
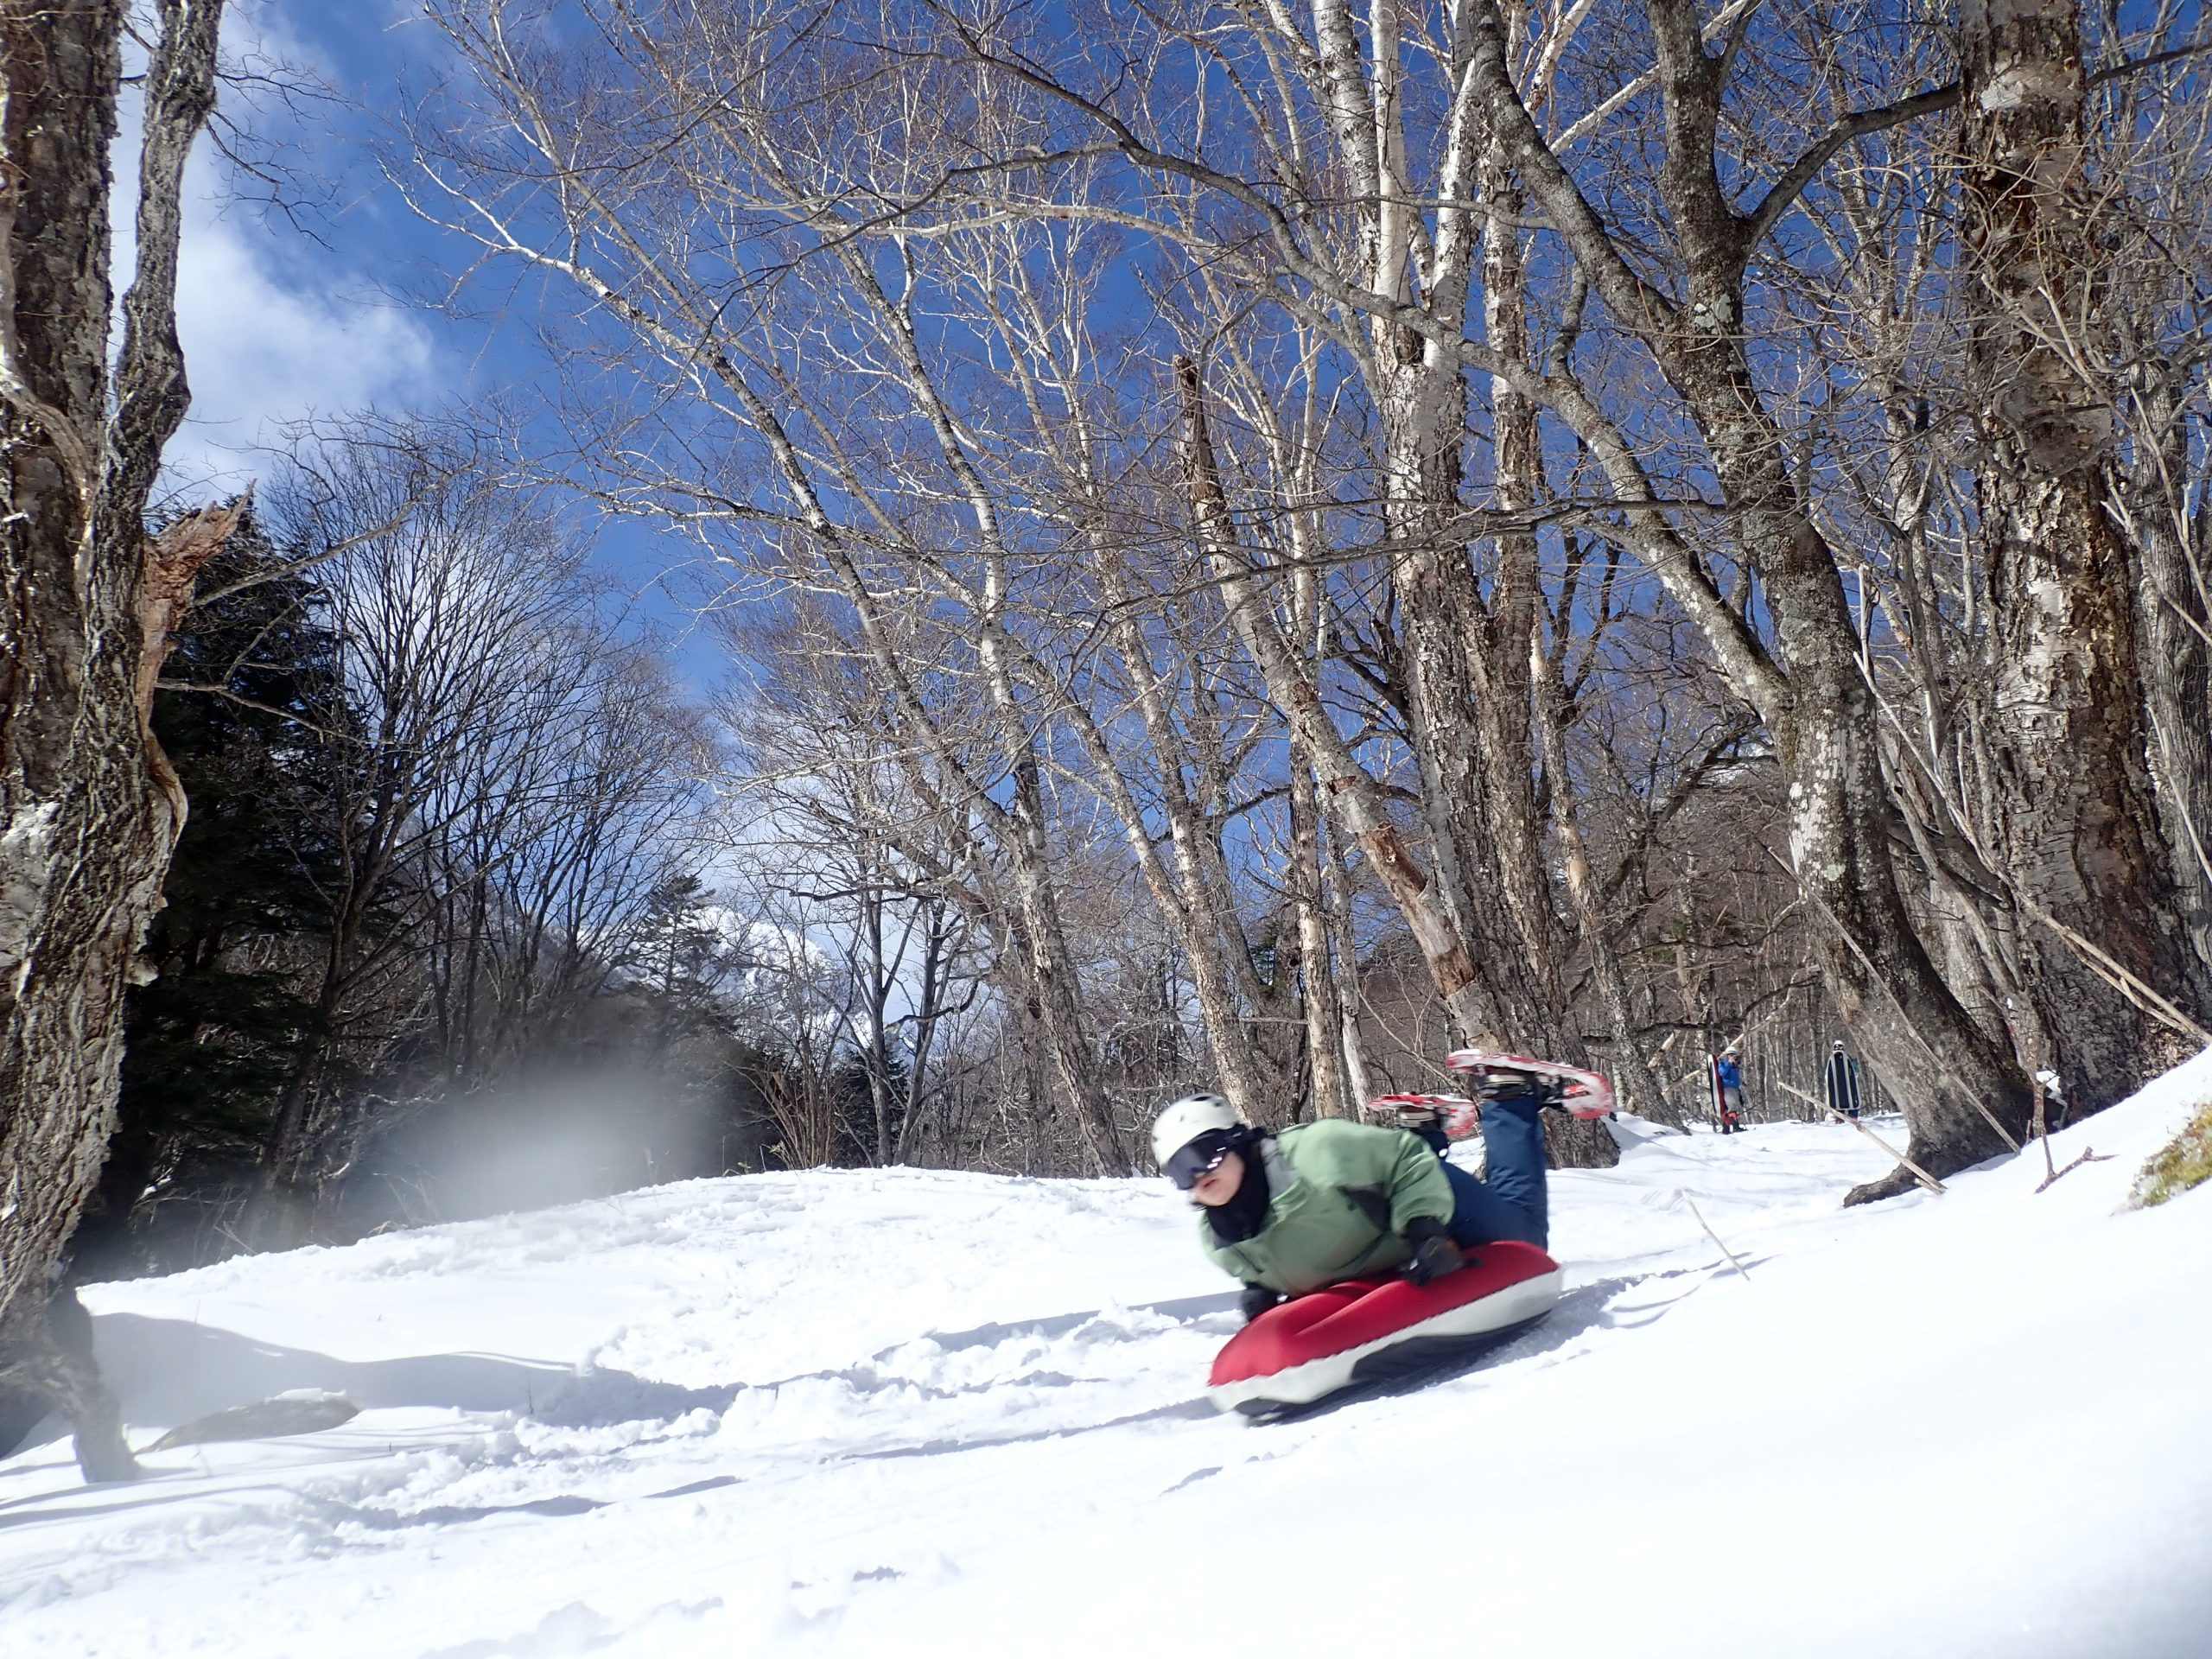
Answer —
851 1413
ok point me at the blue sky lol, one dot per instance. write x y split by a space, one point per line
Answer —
285 314
314 308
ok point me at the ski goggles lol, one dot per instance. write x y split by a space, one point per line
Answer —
1198 1159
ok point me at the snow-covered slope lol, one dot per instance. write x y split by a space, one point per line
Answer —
911 1413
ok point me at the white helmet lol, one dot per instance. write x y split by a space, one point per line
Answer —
1182 1122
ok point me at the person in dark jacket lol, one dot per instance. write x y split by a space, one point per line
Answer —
1841 1080
1290 1211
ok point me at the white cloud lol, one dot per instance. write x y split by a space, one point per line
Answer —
263 345
275 328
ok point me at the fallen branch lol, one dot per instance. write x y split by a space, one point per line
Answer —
2088 1156
2046 1090
1710 1234
1918 1173
2115 974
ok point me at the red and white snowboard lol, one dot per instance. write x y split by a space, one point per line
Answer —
1723 1119
1456 1115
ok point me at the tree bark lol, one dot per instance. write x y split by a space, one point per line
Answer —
2067 803
1321 999
89 811
2173 640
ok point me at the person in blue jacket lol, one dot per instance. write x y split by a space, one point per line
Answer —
1728 1088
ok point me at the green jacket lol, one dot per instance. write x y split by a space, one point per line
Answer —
1340 1194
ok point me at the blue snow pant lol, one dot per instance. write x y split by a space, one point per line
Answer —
1510 1200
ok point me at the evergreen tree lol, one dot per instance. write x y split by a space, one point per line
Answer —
213 1035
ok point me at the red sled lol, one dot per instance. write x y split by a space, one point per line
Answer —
1366 1329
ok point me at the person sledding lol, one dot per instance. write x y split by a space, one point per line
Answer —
1290 1211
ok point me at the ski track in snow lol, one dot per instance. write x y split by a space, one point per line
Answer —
916 1411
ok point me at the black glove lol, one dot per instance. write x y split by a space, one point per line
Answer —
1434 1254
1256 1300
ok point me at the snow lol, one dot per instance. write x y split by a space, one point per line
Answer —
915 1413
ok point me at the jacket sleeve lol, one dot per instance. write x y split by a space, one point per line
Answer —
1418 1185
1236 1265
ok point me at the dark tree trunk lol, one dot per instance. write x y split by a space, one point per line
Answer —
63 1366
1964 1098
89 811
2070 813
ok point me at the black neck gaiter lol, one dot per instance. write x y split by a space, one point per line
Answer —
1245 1214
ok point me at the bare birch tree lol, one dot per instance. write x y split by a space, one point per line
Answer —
1461 297
1674 283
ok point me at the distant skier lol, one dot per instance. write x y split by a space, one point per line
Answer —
1292 1209
1841 1082
1728 1089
